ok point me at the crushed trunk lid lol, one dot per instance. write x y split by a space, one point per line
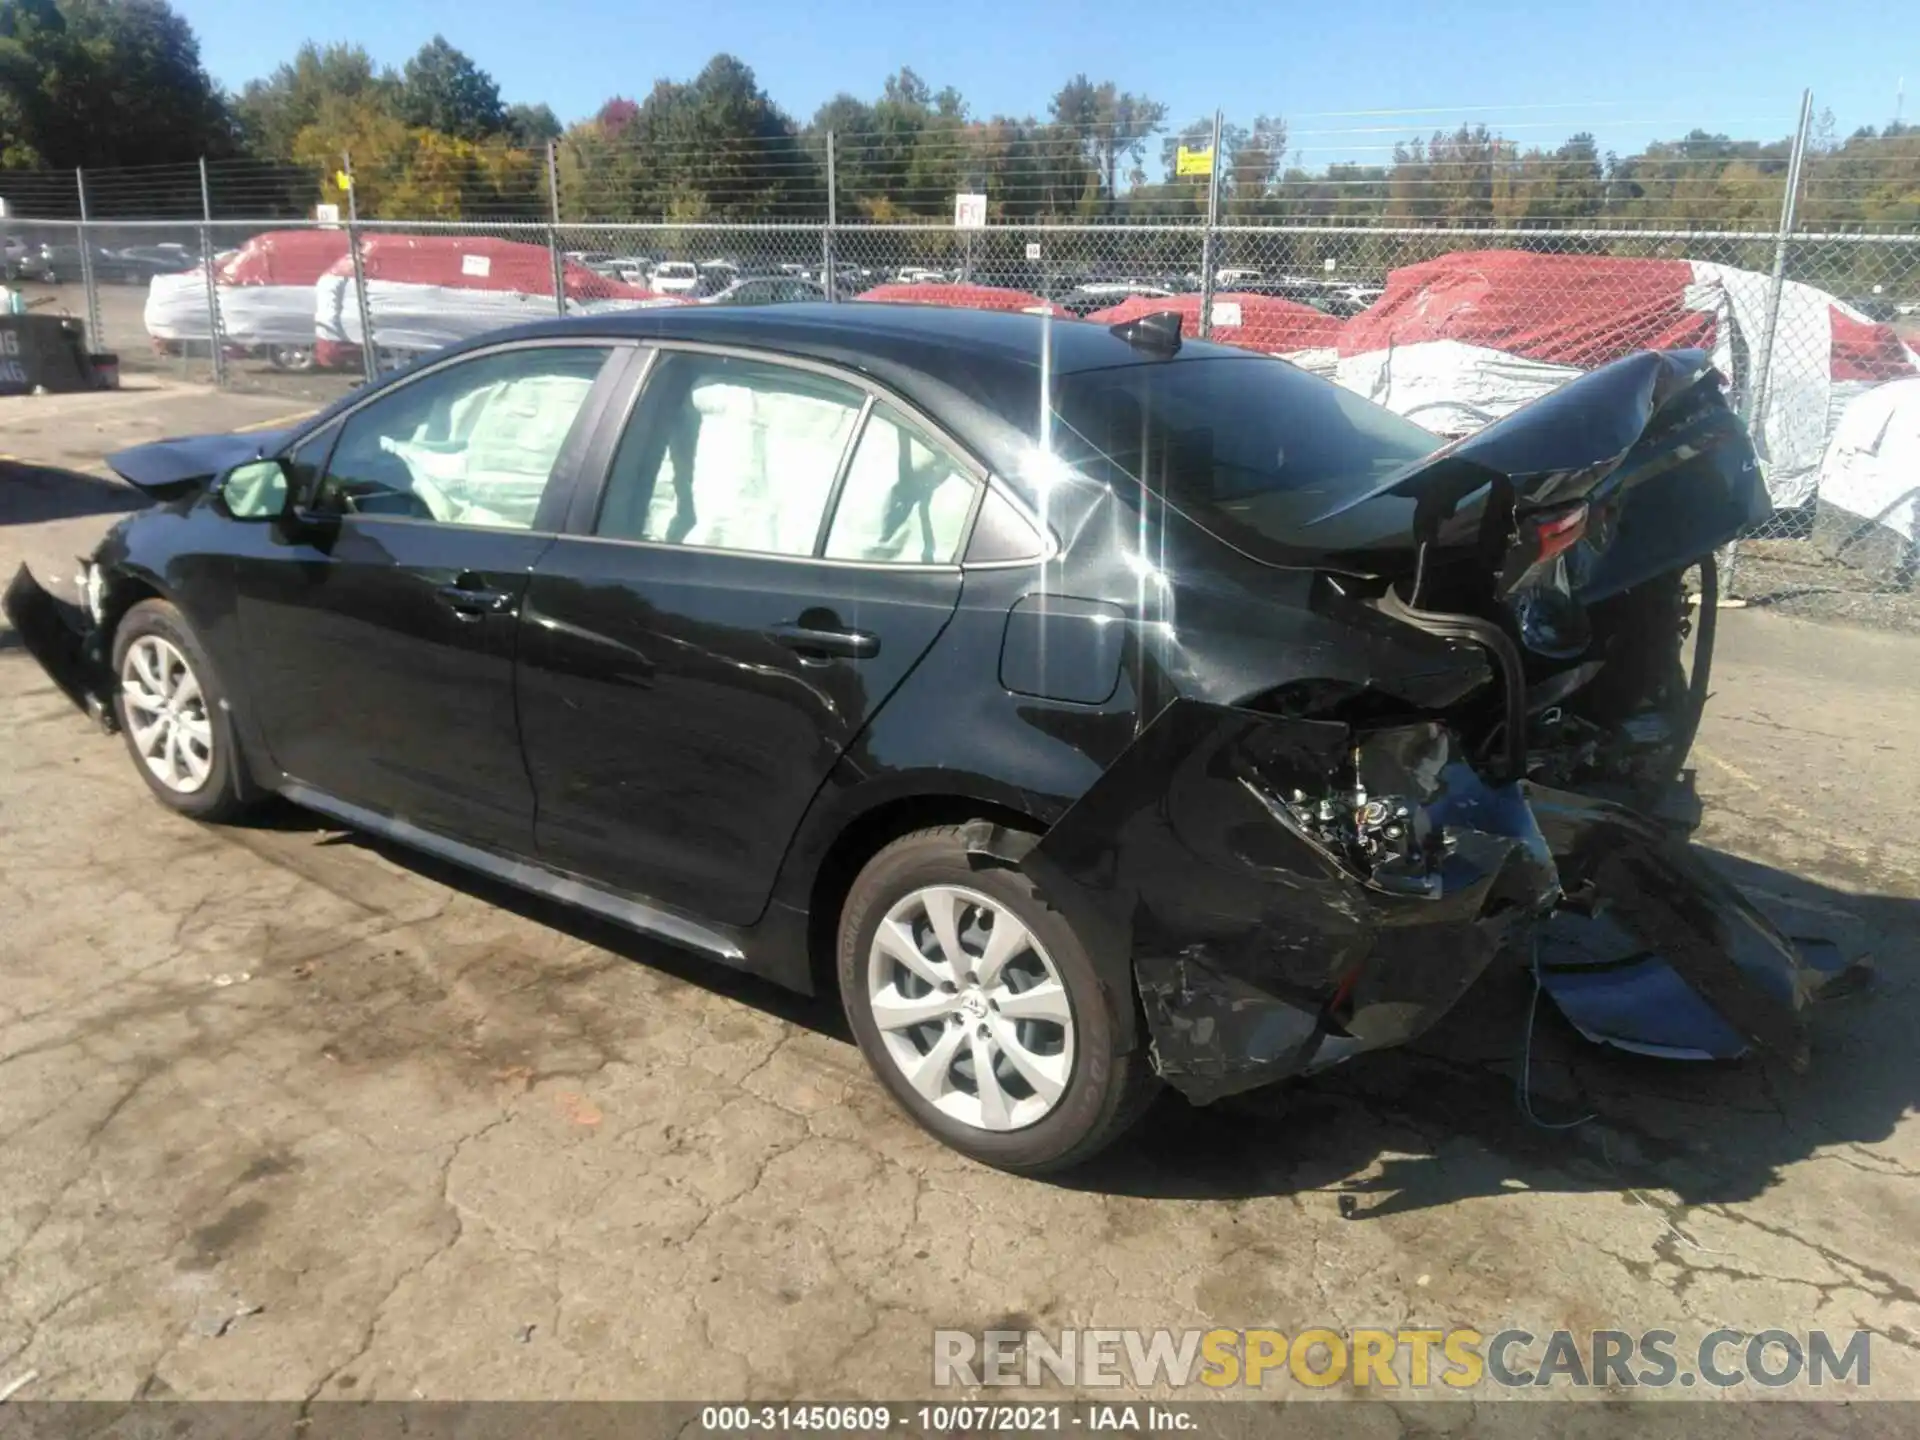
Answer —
1647 445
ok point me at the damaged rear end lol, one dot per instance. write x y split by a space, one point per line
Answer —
1324 866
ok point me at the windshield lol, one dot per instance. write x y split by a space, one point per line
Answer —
1240 445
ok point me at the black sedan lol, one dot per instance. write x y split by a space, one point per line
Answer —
1089 709
53 264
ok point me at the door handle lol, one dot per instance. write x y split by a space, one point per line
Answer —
810 642
473 599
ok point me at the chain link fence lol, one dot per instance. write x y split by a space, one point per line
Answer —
1453 284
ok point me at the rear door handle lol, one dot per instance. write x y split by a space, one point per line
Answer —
805 640
469 596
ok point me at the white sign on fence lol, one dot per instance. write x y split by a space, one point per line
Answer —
481 265
1033 253
327 214
1226 314
969 212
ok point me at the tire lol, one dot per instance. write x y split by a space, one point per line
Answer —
295 358
1098 1089
156 654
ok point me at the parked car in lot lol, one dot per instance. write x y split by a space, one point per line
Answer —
1083 300
1877 308
674 277
53 264
628 269
1229 737
1340 301
766 290
139 264
19 259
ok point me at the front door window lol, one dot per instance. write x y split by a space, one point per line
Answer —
473 444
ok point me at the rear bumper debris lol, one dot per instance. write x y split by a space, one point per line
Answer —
1289 894
1655 952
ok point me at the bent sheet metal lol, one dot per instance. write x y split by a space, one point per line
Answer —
1273 931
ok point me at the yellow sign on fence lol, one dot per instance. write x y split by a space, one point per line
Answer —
1193 162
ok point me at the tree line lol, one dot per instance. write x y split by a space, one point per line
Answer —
119 84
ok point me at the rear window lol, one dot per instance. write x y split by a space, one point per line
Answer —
1237 444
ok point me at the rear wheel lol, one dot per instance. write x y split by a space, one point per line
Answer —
980 1010
172 712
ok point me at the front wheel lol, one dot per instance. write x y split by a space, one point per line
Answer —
172 711
980 1009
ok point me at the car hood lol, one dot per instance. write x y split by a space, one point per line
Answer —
1648 442
167 468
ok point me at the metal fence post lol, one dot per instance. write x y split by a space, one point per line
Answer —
1209 242
826 235
214 345
87 277
369 357
553 230
1756 395
1763 366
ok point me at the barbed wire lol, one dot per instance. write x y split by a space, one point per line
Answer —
1481 164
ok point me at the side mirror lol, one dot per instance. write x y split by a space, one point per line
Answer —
257 490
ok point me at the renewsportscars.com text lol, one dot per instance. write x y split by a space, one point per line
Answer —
1458 1359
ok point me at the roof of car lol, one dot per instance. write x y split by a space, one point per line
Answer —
942 342
973 371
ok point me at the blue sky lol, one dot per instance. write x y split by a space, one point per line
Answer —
1627 70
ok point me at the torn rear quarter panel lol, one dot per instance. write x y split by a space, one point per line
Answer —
1265 939
1286 893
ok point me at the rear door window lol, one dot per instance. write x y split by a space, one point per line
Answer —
905 500
726 453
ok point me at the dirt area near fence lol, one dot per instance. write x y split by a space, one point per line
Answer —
284 1113
1835 568
123 332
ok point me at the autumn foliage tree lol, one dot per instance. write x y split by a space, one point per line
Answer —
119 83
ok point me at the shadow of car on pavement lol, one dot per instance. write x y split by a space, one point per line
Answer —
1445 1118
35 494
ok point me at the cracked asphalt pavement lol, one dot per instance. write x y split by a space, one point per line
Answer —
286 1114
